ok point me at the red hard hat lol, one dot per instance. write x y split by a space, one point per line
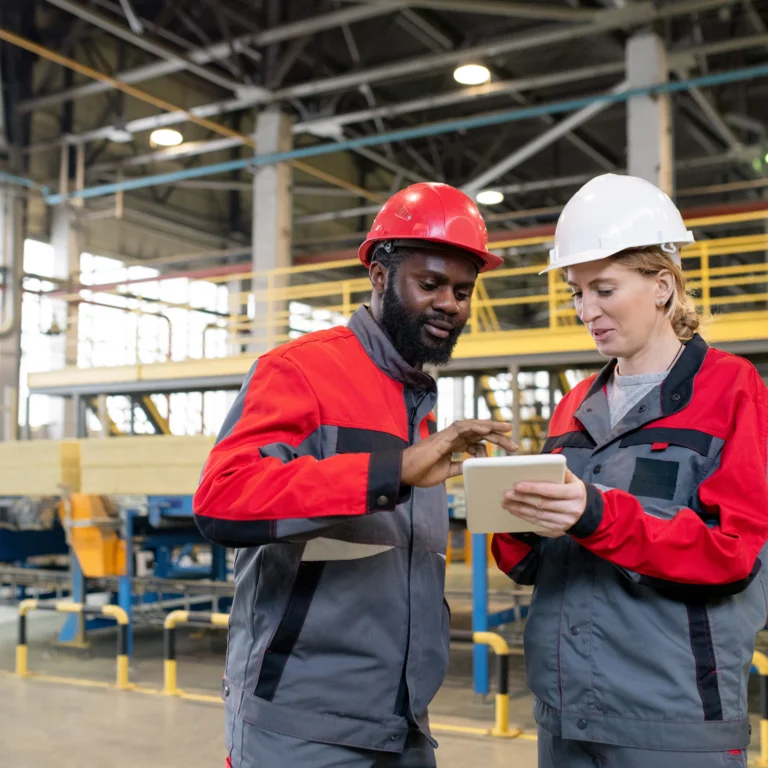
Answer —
435 213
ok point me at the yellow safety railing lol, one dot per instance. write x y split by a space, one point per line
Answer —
337 288
112 611
511 304
500 647
172 620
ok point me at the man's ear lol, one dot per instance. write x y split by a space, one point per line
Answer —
378 276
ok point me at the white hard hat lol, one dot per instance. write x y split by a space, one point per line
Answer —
611 213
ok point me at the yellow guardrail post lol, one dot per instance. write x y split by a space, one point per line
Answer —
113 611
760 661
169 648
172 620
121 617
25 606
501 649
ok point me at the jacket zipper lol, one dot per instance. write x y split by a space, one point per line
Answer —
402 689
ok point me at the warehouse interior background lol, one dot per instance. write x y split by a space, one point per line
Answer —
184 185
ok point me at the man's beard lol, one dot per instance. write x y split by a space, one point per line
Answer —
405 331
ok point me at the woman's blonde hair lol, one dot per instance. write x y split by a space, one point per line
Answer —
681 310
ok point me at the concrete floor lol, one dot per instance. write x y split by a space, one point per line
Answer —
67 727
62 725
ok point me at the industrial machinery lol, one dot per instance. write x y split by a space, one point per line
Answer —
122 509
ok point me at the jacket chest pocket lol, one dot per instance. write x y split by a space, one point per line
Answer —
669 463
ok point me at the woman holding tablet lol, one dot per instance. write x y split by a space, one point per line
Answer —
650 562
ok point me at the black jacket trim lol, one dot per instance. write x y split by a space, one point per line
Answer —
706 664
592 517
282 644
697 441
576 439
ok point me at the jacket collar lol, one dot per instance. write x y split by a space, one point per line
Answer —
380 349
676 394
677 388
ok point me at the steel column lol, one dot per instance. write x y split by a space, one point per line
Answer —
649 140
271 247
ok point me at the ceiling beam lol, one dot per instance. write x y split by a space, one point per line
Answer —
145 44
522 154
221 50
547 36
536 11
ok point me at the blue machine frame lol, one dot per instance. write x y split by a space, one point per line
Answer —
482 620
159 508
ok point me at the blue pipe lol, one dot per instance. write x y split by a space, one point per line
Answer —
432 129
20 181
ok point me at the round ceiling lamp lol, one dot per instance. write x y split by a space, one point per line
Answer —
489 197
165 137
472 74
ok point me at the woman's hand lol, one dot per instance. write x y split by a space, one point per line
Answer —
552 507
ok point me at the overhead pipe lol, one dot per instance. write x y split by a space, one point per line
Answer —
431 129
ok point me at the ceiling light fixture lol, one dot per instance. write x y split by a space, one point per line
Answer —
489 197
472 74
165 137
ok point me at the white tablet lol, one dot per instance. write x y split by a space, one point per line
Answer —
486 480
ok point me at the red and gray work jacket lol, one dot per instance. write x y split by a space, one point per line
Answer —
643 619
339 629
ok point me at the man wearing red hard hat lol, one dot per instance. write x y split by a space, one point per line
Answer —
328 476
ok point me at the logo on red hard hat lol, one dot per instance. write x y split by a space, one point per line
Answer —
404 214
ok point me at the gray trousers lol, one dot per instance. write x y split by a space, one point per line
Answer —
266 749
561 753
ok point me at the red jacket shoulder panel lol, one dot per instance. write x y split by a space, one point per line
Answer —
349 388
563 418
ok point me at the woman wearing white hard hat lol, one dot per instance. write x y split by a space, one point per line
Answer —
649 562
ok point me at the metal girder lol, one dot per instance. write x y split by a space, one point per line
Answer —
536 11
140 42
217 51
347 213
424 30
544 140
710 111
252 96
133 20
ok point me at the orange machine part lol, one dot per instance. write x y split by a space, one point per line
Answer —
99 549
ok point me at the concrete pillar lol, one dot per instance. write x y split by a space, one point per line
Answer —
11 254
271 236
649 129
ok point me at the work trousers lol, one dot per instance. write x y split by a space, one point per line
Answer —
266 749
562 753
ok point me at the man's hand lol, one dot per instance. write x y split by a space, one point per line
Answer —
430 461
553 507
